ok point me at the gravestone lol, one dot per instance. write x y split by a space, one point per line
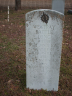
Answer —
43 49
58 5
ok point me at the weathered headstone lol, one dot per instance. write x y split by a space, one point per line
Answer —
58 5
43 49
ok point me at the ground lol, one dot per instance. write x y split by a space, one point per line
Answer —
13 57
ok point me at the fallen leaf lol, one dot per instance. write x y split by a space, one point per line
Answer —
3 25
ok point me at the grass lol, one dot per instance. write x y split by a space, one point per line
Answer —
13 57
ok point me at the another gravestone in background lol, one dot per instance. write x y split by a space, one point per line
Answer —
58 5
43 49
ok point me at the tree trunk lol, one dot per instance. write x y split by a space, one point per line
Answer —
17 5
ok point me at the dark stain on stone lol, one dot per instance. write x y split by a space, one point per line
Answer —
45 18
30 43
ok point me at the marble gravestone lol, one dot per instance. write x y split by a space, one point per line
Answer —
43 49
58 5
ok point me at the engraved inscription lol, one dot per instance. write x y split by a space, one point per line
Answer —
42 29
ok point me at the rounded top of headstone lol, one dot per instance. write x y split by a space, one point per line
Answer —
44 14
48 10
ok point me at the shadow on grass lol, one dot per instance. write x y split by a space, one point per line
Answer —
23 80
